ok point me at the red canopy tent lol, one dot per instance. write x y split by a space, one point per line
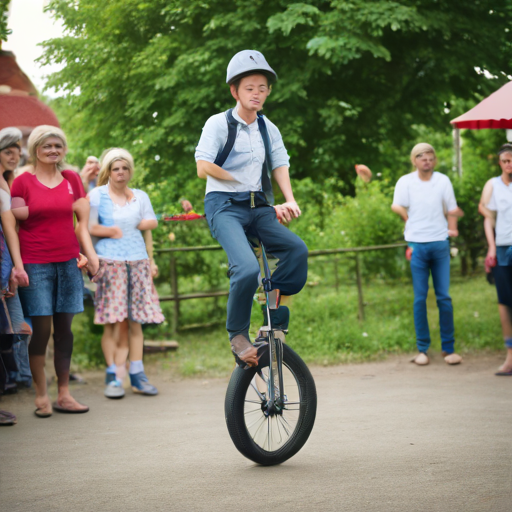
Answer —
494 111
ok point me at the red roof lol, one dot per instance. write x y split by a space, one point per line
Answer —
24 111
12 75
493 112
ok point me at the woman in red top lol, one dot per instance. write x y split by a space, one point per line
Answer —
45 254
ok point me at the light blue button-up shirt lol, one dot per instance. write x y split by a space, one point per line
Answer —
247 156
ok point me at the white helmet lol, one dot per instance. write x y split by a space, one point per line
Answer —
246 62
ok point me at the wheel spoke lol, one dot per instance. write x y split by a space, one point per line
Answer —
283 421
257 391
271 433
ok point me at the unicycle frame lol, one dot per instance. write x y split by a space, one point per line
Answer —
275 347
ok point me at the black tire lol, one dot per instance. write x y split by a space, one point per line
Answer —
294 424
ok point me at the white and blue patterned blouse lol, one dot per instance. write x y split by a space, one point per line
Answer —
105 212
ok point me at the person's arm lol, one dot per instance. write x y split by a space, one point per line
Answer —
147 213
400 210
148 239
400 204
453 211
95 228
213 139
453 219
13 243
147 224
205 169
105 231
81 209
290 209
485 199
489 235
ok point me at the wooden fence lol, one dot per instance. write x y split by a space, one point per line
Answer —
177 298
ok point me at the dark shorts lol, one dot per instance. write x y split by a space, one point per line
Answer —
53 288
503 275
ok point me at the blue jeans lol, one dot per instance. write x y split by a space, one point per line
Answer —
426 258
20 342
231 219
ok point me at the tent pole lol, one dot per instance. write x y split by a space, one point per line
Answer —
457 153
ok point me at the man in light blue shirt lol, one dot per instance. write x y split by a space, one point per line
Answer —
238 154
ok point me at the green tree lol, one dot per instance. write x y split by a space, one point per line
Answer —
4 31
355 75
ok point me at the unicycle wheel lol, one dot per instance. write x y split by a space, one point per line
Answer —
265 433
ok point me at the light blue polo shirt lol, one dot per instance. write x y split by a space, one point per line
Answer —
247 156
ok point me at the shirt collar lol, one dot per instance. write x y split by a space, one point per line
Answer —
239 119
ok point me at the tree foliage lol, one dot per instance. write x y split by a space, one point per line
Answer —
354 75
4 31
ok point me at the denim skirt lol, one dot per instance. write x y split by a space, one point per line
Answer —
53 288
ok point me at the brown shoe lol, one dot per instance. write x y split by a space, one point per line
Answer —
421 359
453 358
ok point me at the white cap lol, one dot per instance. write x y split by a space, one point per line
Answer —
248 61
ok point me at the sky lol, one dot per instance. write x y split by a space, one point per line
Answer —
30 26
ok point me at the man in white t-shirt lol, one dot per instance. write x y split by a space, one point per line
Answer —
496 206
424 199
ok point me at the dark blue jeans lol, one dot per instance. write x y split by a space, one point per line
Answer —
432 257
231 219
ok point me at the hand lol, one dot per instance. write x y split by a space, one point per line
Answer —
453 232
116 232
287 211
93 265
154 269
99 274
20 276
490 260
12 286
81 261
364 172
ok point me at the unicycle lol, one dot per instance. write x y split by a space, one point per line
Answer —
270 409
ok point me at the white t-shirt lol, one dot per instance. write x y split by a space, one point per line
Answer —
427 202
5 201
501 203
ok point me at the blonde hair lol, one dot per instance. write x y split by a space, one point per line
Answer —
419 149
39 135
108 159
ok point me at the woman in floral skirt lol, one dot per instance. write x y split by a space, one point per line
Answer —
125 288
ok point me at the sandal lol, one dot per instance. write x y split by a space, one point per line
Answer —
7 418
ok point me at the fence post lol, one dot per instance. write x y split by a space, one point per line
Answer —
174 293
336 275
360 309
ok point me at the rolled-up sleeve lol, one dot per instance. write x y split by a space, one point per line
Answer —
280 156
213 138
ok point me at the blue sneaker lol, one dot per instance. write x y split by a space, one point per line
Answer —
140 384
109 377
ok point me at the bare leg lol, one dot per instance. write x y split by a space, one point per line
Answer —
37 356
136 341
63 348
506 327
121 353
109 343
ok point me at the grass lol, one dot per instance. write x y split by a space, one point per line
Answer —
324 328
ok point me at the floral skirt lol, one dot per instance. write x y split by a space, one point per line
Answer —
125 290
